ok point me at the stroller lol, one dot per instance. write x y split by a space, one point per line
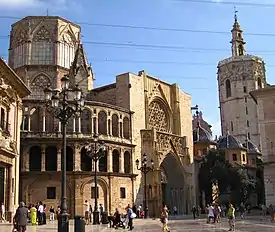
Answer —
120 221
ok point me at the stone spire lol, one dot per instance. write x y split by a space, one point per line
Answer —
238 43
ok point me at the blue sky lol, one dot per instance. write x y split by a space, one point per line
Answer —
171 65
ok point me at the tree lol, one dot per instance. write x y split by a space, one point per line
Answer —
214 167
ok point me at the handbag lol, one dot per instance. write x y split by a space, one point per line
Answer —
133 215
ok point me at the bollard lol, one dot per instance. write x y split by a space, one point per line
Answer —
104 218
79 224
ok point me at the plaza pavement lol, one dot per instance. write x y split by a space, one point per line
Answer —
176 225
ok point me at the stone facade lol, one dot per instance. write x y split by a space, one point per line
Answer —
265 99
12 90
135 115
237 76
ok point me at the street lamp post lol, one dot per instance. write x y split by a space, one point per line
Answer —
144 168
63 104
96 151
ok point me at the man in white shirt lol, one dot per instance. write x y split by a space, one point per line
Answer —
40 213
87 212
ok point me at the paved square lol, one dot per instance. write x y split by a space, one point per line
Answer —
149 225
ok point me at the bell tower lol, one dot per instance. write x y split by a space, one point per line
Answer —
238 43
237 76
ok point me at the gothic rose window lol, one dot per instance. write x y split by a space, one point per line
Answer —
38 86
158 118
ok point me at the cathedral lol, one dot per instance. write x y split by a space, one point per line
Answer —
137 114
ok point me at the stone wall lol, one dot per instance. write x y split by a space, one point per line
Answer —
239 111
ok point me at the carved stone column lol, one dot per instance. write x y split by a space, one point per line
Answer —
59 126
77 158
43 158
44 120
119 129
110 160
29 122
79 124
59 151
73 124
121 161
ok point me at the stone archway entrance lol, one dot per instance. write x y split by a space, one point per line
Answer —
172 183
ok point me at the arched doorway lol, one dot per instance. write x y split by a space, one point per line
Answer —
172 183
88 189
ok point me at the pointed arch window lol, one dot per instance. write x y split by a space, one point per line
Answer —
241 50
66 51
42 48
38 85
259 83
228 88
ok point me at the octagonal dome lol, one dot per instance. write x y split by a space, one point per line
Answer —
229 142
252 148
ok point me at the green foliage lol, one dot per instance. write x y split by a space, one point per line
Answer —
214 167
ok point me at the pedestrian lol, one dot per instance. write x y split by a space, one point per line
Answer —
131 215
194 211
87 212
40 213
231 217
51 213
33 215
44 215
20 219
242 211
164 219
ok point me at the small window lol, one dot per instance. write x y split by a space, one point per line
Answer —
243 157
248 135
228 88
122 193
232 127
246 110
245 99
51 193
247 123
234 157
244 89
93 193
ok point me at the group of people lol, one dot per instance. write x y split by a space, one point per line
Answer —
88 211
36 214
128 219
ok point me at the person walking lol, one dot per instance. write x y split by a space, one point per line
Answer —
20 219
87 212
52 213
130 215
231 217
164 219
